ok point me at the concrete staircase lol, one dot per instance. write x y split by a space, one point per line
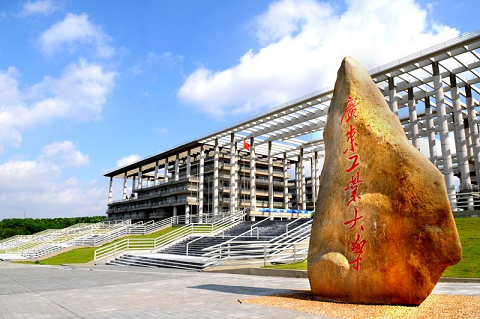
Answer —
176 255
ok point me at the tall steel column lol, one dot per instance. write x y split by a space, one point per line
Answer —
166 170
216 155
187 214
317 158
460 141
392 95
140 178
177 167
270 176
285 181
133 183
413 118
155 179
189 165
302 181
200 183
253 173
432 142
298 190
233 173
125 185
468 137
313 176
110 191
473 124
444 138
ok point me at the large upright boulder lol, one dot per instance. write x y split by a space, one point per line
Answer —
383 231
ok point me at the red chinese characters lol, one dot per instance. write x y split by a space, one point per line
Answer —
353 189
350 110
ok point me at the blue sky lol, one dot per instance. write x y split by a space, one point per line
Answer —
88 85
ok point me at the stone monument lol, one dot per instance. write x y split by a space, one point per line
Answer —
383 231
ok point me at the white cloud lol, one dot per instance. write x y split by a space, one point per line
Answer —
73 31
44 7
160 130
128 160
78 94
65 153
27 175
37 187
166 59
304 42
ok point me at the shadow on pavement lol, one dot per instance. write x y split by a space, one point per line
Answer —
243 290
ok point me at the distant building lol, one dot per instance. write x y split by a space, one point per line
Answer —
434 93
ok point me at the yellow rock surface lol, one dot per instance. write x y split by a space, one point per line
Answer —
404 236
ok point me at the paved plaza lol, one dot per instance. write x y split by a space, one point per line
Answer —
32 291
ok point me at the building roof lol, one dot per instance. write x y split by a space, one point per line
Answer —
290 126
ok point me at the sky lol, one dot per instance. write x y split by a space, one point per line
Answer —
87 86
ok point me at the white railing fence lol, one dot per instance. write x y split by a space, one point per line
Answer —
117 249
51 240
288 247
467 201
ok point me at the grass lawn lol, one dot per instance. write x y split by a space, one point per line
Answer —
468 267
84 255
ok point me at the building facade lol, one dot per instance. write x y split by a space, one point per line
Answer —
434 93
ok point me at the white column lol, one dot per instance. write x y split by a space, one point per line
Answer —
285 181
140 178
313 178
391 96
200 183
432 142
317 173
187 214
468 136
155 180
189 165
460 141
297 185
270 176
216 154
125 185
413 118
177 168
166 170
473 124
175 211
233 174
110 191
444 138
302 182
253 181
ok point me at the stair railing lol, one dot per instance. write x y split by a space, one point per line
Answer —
279 247
221 226
286 226
162 242
256 224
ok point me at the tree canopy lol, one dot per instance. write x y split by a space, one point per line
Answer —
28 226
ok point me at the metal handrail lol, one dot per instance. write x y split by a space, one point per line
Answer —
49 241
158 243
236 218
251 227
286 226
250 251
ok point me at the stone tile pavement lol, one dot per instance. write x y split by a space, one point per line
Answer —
33 291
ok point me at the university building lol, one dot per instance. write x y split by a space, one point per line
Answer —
434 93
